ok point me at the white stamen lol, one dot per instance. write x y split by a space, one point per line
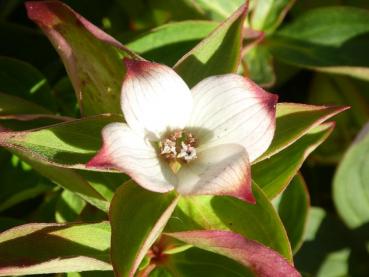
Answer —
188 153
169 147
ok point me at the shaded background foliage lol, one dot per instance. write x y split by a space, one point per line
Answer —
290 60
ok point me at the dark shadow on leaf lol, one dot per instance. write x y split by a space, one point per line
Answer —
170 54
333 236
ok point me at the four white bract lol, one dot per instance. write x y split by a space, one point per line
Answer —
198 141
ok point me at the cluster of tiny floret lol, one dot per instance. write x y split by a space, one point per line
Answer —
179 145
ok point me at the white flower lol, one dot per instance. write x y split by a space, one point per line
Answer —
198 141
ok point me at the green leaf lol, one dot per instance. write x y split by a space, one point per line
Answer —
69 144
350 186
196 262
137 218
302 6
68 207
66 178
268 14
340 48
103 182
259 66
274 174
40 248
218 9
261 260
161 272
166 10
92 58
293 207
257 222
294 121
169 42
218 53
344 24
339 90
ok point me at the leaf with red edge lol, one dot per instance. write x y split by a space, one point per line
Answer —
258 222
268 15
68 144
294 121
263 261
92 58
274 174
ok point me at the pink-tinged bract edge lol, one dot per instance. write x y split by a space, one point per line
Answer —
101 160
243 191
270 106
137 66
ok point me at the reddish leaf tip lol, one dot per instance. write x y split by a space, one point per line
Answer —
344 108
40 12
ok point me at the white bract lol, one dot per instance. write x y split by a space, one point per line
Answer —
198 141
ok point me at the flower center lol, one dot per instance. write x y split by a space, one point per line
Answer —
179 146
